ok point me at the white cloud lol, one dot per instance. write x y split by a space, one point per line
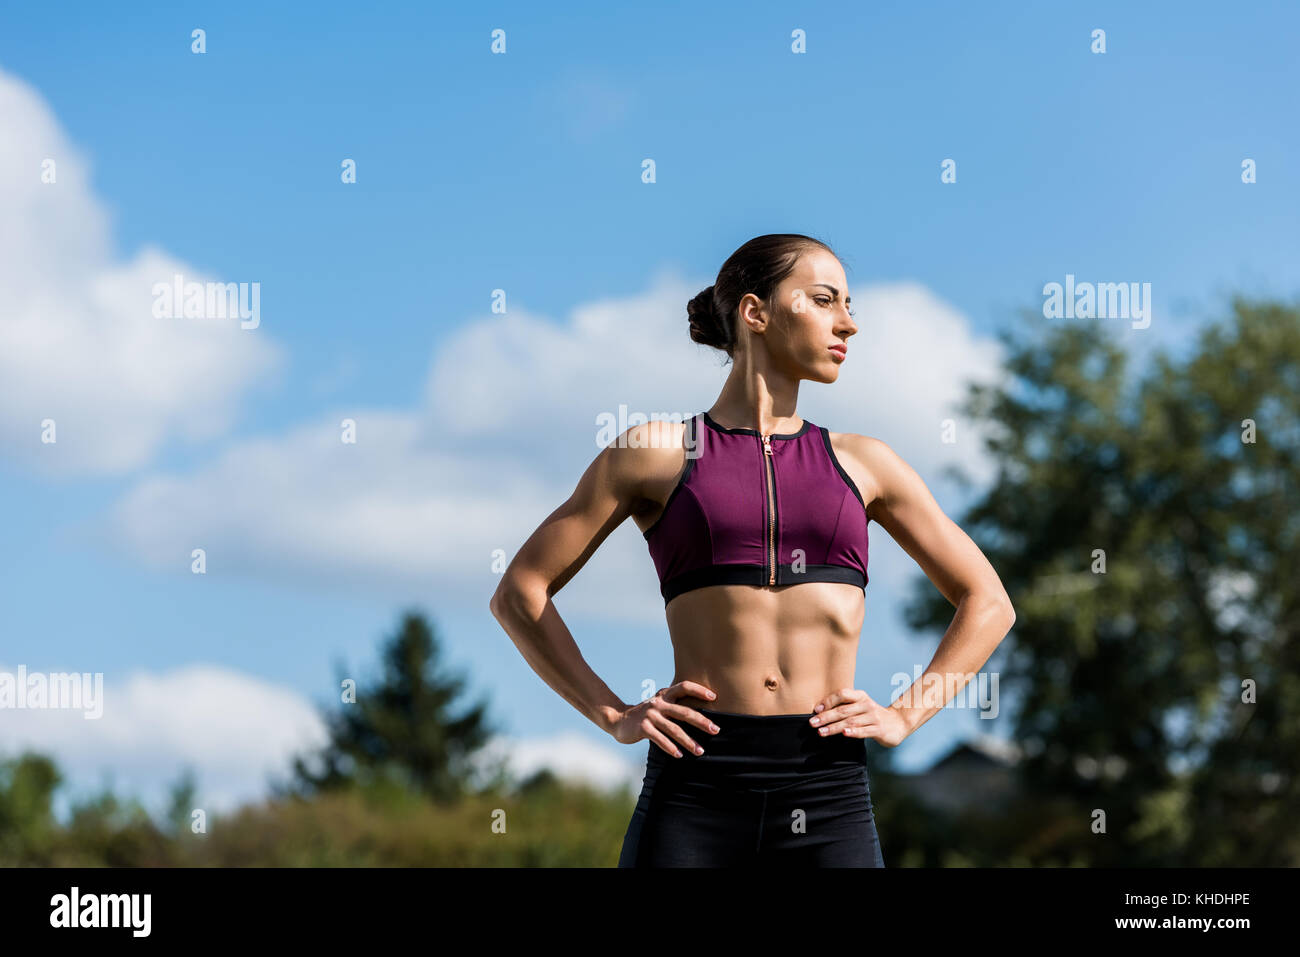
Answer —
418 505
235 730
231 728
533 388
79 343
571 756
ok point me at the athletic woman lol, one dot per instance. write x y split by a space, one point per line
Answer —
756 520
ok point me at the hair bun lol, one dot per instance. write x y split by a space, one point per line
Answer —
707 327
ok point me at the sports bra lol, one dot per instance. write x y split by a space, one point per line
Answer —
755 510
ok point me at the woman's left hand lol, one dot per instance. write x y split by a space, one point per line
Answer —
853 713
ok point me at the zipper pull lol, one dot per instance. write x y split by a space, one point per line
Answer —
767 445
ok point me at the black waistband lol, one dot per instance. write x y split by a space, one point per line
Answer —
756 745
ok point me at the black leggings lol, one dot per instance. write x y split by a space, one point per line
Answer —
768 790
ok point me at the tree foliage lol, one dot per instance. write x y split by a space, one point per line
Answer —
401 728
1146 526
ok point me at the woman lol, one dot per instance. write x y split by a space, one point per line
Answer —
756 520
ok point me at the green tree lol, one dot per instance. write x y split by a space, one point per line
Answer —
400 730
28 829
181 801
107 830
1129 682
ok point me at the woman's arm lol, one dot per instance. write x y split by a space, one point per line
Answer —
900 502
608 492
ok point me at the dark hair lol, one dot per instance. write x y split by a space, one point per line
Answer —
757 267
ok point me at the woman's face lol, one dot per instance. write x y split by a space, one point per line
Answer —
808 334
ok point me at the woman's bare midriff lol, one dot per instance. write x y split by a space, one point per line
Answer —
766 651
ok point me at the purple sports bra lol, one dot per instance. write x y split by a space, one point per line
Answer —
755 510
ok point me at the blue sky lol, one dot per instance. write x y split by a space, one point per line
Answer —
522 172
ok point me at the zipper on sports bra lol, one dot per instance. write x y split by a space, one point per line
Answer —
771 509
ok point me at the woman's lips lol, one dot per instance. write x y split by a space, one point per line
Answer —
840 352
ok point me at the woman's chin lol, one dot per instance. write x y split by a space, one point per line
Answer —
824 373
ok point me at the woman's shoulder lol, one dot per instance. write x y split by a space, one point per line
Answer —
868 460
650 448
649 457
657 433
864 446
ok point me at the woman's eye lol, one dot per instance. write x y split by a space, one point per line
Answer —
823 301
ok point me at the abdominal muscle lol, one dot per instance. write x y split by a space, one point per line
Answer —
764 650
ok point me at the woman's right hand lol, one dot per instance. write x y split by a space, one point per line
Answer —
656 717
